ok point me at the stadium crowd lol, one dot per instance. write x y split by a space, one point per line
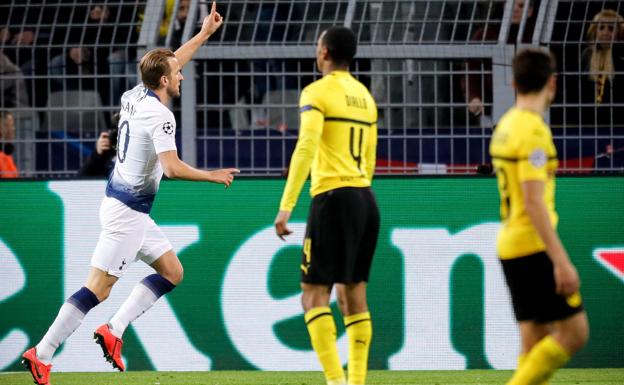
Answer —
48 52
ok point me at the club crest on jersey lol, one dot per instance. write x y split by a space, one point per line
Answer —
538 158
168 128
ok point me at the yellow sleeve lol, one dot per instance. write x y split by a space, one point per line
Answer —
371 152
533 157
310 131
164 24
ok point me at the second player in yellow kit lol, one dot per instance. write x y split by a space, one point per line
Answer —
337 145
542 281
522 149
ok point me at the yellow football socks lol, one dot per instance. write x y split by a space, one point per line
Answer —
521 360
322 329
540 363
360 331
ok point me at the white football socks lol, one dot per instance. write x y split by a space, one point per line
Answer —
137 303
66 322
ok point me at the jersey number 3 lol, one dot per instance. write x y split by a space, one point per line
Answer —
504 193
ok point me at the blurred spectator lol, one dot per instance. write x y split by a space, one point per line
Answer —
102 159
180 21
12 85
120 48
7 134
26 27
603 60
268 74
15 54
165 22
19 33
23 37
477 88
100 52
74 68
26 39
98 36
490 31
602 84
426 86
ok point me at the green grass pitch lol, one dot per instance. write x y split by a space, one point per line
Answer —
376 377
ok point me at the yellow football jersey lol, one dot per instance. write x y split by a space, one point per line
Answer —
337 137
522 149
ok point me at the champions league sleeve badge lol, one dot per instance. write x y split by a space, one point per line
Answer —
538 158
168 128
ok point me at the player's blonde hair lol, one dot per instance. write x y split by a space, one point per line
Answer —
154 65
601 61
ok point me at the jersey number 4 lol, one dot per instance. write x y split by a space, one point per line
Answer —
357 157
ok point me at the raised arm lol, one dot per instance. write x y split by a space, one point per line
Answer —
211 23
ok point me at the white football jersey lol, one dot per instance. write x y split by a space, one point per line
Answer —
146 128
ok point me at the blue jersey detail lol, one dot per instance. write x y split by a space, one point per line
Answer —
309 107
137 202
152 93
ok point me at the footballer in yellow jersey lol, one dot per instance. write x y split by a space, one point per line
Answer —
339 121
522 149
542 281
337 145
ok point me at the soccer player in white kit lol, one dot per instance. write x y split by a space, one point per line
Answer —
146 148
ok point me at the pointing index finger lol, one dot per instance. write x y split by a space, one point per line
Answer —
214 7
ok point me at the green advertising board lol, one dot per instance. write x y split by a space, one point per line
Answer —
436 292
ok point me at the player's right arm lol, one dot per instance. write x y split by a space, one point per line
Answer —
533 174
310 131
175 168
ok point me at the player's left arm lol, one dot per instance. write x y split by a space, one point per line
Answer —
211 23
